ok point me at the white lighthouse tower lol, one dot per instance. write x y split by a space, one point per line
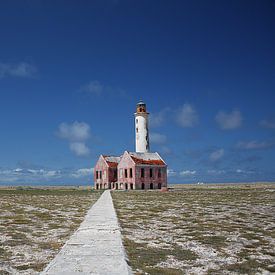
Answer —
142 133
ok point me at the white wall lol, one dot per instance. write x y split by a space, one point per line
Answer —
142 132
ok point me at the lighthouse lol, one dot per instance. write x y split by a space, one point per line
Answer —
142 133
139 170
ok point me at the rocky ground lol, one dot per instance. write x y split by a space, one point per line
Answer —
199 229
34 224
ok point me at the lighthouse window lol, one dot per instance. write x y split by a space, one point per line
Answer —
137 130
136 120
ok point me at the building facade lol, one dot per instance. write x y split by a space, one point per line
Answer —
133 170
105 172
141 171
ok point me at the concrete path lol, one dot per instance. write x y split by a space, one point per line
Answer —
96 247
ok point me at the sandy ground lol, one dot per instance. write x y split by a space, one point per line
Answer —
214 229
34 224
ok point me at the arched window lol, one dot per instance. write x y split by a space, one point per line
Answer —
151 186
142 186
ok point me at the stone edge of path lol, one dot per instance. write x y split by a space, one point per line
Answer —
85 240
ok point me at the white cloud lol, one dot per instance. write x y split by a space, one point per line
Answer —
77 131
13 175
157 138
79 148
268 124
22 69
253 144
229 121
157 119
216 155
94 87
83 172
187 116
240 171
44 175
6 172
171 173
216 172
42 172
165 150
188 172
77 134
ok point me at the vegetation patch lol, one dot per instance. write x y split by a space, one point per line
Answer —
35 223
209 229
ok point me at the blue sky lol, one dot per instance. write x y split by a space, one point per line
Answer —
71 73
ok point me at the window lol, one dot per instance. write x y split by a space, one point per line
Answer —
159 185
142 186
131 172
115 174
151 172
121 173
136 120
126 186
96 175
142 172
159 173
104 174
100 174
125 173
137 130
151 186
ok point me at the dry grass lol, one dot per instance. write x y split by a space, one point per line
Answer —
34 224
199 229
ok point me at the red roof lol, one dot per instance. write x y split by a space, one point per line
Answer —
148 162
112 161
112 164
